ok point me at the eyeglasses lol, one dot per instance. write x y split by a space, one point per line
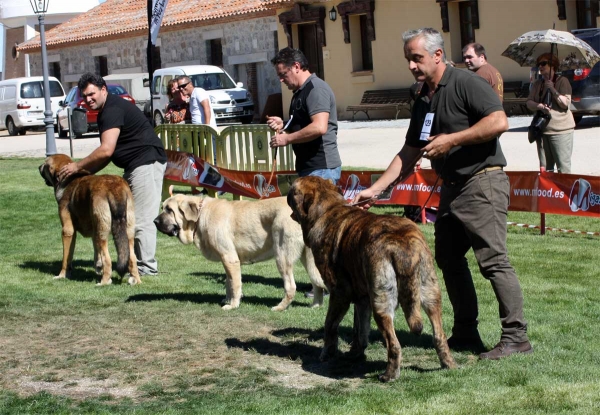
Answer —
543 63
182 86
282 75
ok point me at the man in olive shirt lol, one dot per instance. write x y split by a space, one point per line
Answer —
475 58
457 120
128 140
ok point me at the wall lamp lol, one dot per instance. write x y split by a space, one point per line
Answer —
332 14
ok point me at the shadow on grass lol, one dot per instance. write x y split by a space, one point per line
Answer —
215 299
339 367
82 270
253 279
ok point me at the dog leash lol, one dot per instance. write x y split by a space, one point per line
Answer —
404 173
265 189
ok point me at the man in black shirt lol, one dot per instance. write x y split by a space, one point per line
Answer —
457 120
128 140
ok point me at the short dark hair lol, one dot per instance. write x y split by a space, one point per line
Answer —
289 56
477 48
90 78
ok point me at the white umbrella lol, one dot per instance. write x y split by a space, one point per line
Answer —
572 52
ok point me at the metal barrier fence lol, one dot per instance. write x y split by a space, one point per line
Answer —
236 147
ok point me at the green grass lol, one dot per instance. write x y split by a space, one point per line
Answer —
70 347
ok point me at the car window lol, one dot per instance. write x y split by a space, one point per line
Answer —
156 85
165 81
31 90
210 81
71 96
10 92
116 89
55 89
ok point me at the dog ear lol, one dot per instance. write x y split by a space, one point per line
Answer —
190 208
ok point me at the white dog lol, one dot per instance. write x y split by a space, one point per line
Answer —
242 232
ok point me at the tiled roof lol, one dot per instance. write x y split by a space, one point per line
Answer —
116 17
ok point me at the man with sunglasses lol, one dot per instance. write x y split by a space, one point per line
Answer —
200 108
128 140
475 59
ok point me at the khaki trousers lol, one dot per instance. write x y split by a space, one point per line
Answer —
473 215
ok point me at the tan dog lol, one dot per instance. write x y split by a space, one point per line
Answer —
375 261
242 232
94 206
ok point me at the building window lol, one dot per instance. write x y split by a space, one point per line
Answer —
367 51
360 44
587 10
215 52
467 29
101 65
54 69
156 61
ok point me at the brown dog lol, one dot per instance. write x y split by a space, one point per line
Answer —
375 261
94 206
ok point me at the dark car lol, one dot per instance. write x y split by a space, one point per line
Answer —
585 99
74 100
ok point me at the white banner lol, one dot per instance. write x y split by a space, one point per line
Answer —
158 11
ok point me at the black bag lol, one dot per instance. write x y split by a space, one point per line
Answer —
540 120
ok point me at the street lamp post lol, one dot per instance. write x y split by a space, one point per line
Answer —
40 7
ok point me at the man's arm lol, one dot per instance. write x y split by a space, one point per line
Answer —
486 129
206 108
98 159
317 127
404 161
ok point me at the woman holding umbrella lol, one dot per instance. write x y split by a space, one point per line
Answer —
552 95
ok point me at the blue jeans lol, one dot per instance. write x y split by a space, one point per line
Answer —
332 175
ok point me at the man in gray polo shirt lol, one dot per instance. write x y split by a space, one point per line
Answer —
312 129
457 120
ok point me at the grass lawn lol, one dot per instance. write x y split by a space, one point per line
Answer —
166 347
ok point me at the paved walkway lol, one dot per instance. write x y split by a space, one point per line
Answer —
369 144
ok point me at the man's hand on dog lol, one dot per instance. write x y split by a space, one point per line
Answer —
368 195
67 170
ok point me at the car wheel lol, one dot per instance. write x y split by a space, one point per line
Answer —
158 119
22 131
577 118
11 127
61 133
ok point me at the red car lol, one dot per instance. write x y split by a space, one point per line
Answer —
74 100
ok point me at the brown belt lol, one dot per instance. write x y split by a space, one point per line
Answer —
460 182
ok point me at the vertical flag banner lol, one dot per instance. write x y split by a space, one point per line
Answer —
158 11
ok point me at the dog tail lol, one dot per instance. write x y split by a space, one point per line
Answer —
118 212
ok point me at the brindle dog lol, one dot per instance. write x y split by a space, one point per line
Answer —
374 261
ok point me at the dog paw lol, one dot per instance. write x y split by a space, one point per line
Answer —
228 307
133 281
104 283
279 308
59 277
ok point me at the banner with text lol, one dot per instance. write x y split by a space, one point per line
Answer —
565 194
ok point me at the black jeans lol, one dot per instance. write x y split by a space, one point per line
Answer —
473 215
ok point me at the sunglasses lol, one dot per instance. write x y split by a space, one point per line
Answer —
182 86
543 63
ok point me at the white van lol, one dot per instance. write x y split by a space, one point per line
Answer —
22 103
230 101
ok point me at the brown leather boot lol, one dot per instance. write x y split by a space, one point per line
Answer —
504 349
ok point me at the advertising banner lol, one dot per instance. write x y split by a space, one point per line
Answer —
564 194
